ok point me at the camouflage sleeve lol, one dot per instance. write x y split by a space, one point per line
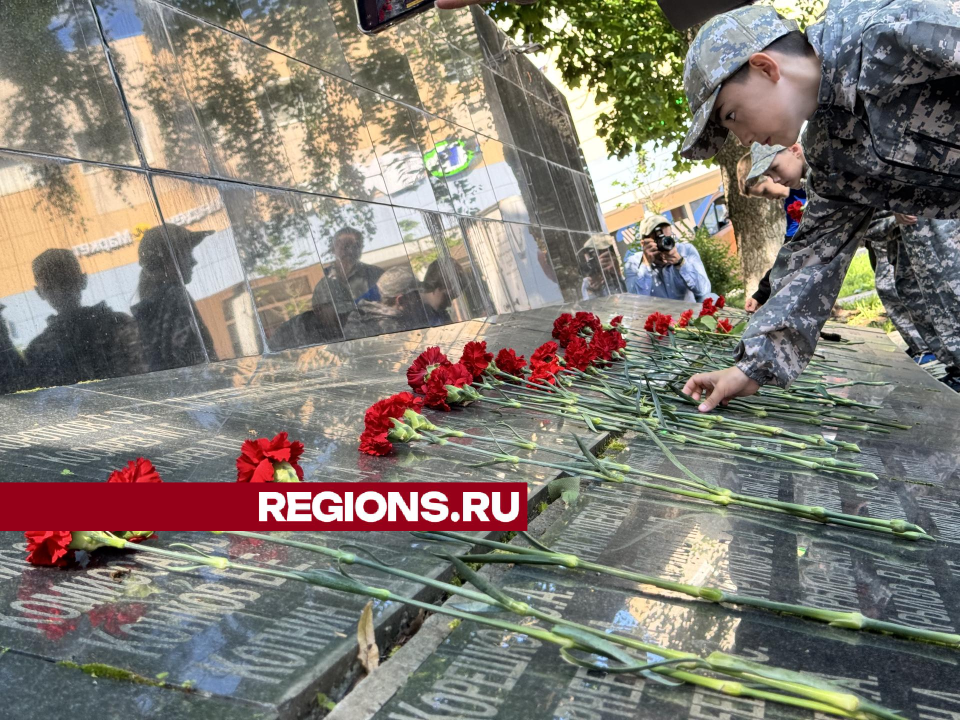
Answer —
806 280
920 41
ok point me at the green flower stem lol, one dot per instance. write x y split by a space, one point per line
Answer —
694 487
847 620
813 693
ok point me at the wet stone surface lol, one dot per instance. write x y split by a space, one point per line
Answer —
250 647
481 672
245 644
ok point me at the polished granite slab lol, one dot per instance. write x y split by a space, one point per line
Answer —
238 639
246 646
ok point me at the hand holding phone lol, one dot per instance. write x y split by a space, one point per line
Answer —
377 15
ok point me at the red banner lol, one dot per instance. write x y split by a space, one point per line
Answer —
265 506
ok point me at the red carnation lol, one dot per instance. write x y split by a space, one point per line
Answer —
724 326
377 417
378 444
476 358
588 319
436 391
617 321
428 360
546 353
509 362
48 547
605 343
795 211
568 333
658 323
579 355
545 373
685 318
721 302
708 308
140 470
377 422
561 323
261 458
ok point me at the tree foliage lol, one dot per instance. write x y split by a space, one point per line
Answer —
626 52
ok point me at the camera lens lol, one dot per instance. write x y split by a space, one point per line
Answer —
665 243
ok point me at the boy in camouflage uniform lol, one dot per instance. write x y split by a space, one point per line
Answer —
878 84
788 167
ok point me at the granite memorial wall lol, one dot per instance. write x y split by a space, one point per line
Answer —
189 181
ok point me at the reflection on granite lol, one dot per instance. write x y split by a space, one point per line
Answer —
205 167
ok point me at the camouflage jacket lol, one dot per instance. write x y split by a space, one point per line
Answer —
884 136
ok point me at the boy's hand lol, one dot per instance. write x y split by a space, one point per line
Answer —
722 386
751 305
905 219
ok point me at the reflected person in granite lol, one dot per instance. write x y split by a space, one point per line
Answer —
399 308
436 295
12 366
320 324
166 314
79 343
597 259
348 269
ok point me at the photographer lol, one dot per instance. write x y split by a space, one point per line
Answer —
600 268
665 268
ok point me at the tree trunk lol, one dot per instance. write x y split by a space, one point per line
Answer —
759 224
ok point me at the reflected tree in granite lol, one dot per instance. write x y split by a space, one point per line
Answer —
63 100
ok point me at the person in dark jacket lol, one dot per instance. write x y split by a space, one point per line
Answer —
171 330
80 342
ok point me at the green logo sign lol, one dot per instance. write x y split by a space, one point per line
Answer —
448 158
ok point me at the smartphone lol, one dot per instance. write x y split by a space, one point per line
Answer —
377 15
684 14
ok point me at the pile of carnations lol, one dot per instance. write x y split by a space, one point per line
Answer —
707 321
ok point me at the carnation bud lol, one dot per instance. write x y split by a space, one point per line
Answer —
284 472
401 432
464 395
416 421
133 534
90 540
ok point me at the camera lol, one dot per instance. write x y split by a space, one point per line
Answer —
665 243
589 263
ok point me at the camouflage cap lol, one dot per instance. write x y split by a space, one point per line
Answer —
651 223
761 157
721 48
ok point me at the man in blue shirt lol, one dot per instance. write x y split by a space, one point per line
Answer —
676 273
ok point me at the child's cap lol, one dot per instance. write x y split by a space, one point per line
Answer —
721 48
761 157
